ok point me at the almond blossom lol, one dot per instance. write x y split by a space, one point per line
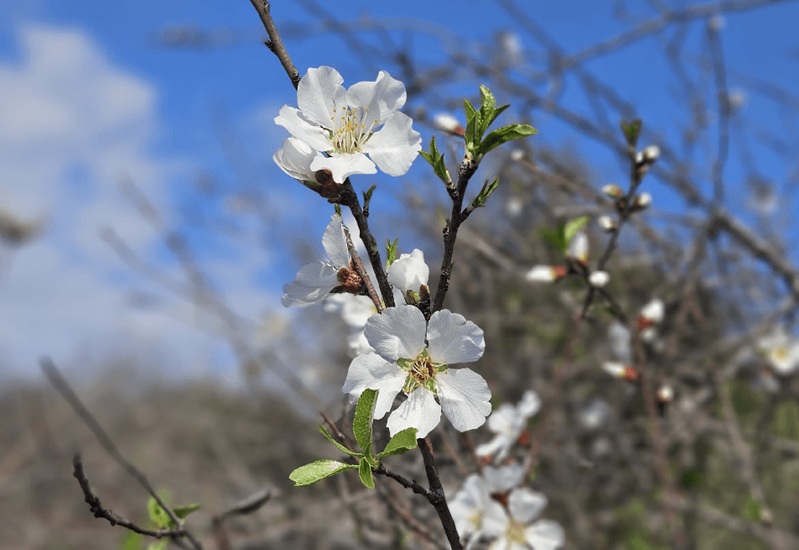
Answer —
413 356
347 131
317 280
508 423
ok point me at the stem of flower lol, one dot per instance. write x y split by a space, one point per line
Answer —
436 495
465 172
349 198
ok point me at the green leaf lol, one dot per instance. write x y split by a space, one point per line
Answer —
486 115
402 442
485 192
504 135
335 442
183 511
554 237
317 471
391 252
573 227
158 515
472 139
362 423
365 473
131 541
158 545
436 160
631 130
752 509
498 111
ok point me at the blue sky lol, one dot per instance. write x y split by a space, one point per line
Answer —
89 98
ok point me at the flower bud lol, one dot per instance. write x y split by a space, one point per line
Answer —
607 224
613 191
599 279
642 201
620 371
578 248
448 123
545 273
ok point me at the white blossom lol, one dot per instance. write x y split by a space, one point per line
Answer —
409 272
781 351
350 131
507 423
315 281
448 123
522 531
414 357
545 273
477 515
578 248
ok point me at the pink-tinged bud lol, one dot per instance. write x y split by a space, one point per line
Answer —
642 201
545 273
620 371
613 191
607 224
578 248
651 314
599 279
448 123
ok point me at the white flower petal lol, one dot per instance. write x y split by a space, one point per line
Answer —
409 272
398 332
319 92
502 479
419 411
395 146
530 404
313 282
464 397
545 534
294 158
525 504
373 372
303 129
453 339
381 98
335 244
343 165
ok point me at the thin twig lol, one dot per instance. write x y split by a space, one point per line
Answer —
60 384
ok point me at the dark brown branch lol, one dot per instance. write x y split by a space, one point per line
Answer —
100 511
60 384
275 43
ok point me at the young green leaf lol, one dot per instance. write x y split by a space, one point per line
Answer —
158 545
317 471
436 160
573 227
365 473
554 237
631 130
183 511
158 515
472 139
335 442
402 442
362 423
391 251
504 135
485 192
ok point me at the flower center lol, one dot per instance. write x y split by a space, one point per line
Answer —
351 129
421 372
515 533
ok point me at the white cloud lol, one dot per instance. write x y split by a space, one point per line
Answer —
73 125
